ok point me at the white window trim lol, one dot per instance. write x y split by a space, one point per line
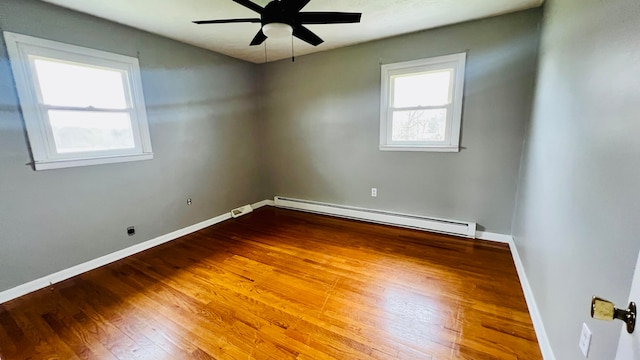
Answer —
20 47
452 136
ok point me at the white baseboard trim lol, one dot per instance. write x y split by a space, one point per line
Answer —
263 203
501 238
534 311
62 275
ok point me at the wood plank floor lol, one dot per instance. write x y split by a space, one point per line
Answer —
279 284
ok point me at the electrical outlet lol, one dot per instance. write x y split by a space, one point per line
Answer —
131 231
374 192
189 201
585 340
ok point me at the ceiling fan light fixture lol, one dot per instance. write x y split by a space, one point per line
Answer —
282 19
277 30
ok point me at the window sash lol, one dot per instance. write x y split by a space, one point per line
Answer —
84 61
50 139
415 71
43 108
448 121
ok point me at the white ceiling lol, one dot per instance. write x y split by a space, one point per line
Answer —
380 19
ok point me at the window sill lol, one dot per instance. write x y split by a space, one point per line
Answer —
60 164
419 148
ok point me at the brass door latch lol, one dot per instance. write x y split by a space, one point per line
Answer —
602 309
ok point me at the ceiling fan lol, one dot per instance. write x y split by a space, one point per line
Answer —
284 17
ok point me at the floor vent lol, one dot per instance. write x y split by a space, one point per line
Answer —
454 227
241 211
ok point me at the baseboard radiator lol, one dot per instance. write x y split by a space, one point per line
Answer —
453 227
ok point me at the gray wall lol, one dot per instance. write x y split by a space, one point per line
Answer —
578 202
203 122
323 114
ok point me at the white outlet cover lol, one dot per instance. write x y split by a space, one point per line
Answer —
585 340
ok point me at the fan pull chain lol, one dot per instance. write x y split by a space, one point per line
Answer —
293 55
265 52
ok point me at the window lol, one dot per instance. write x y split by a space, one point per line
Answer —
421 104
80 106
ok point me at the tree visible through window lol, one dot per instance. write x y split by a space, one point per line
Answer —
419 125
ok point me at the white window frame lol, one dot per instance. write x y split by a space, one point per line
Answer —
23 50
451 142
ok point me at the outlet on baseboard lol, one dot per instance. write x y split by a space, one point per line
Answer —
374 192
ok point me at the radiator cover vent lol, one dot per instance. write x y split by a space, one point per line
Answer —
243 210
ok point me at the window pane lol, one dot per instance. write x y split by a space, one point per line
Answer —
423 89
419 125
80 131
68 84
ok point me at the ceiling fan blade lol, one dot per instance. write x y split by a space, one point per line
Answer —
248 4
295 5
328 17
259 38
226 21
306 35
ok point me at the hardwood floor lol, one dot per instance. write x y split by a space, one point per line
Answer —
279 284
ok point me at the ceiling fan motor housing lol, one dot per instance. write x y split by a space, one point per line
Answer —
275 12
